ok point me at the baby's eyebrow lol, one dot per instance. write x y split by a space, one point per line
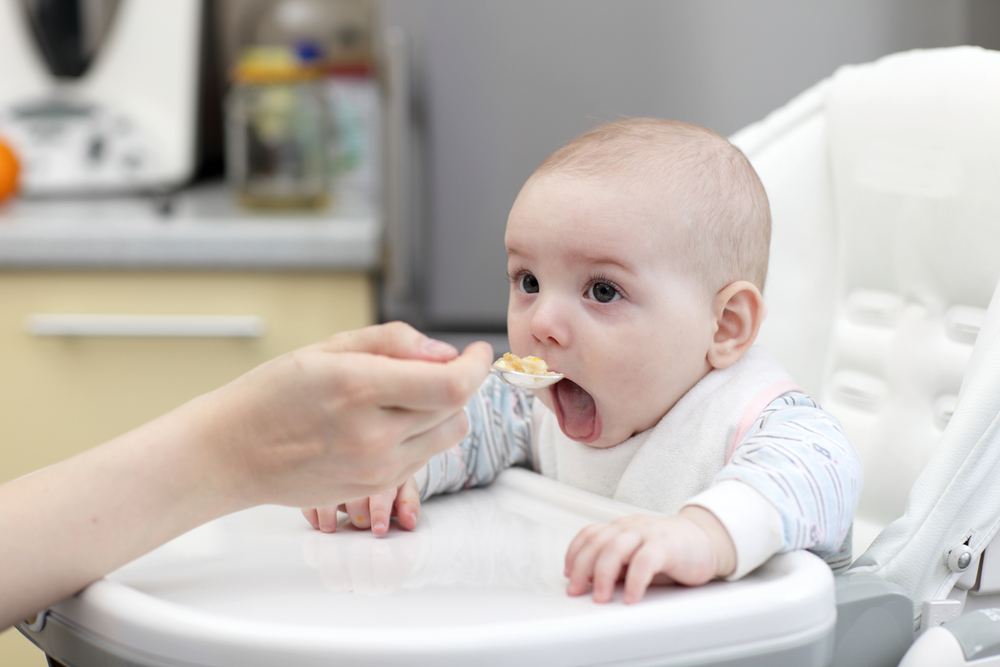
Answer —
514 250
588 258
581 257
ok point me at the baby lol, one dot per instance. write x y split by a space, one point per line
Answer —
637 254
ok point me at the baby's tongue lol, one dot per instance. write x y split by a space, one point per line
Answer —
578 409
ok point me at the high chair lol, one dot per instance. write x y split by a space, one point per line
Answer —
883 183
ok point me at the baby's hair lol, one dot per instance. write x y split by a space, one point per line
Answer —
724 201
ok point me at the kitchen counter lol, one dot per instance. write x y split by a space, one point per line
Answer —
198 228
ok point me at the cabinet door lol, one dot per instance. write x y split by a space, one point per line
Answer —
61 394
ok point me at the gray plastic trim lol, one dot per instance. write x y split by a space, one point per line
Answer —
874 622
978 632
73 647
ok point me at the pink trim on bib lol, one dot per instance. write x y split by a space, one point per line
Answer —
756 406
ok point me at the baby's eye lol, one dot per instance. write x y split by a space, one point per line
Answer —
603 292
528 283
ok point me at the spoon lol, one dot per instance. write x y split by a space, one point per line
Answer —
526 380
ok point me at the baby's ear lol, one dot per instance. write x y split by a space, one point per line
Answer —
738 310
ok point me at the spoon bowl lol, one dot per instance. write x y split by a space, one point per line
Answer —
526 380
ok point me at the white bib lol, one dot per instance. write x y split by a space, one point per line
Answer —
660 468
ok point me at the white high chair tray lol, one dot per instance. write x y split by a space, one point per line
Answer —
479 582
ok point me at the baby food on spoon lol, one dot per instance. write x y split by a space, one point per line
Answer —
575 408
527 372
532 365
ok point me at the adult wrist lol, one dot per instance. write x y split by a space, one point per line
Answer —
205 444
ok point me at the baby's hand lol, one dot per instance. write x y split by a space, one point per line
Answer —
373 512
689 548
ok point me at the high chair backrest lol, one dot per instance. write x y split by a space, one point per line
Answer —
884 184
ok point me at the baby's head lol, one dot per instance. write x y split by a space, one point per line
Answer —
637 254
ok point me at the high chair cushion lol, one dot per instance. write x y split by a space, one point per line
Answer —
956 499
883 184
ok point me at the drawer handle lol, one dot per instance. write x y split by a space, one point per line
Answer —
152 326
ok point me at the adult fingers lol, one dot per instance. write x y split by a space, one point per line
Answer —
422 385
312 517
327 519
394 339
408 504
380 510
359 513
615 554
420 448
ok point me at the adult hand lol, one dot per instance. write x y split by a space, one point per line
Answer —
346 418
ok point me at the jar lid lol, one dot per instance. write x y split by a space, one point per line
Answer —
273 64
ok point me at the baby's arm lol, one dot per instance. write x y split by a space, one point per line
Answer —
691 547
793 483
499 437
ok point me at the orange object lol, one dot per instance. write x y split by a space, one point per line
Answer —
9 170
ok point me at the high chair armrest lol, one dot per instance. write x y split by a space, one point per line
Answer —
874 622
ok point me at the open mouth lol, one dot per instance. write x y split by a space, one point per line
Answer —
576 411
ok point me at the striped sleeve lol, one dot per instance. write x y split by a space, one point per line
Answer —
499 437
798 457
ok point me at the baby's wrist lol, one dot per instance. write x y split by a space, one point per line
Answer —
719 540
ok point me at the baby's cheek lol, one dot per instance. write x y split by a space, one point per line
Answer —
518 328
635 404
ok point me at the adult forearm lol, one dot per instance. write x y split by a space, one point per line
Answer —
319 426
67 525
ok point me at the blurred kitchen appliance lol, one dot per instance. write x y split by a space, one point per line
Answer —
100 96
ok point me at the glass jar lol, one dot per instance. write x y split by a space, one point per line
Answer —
279 132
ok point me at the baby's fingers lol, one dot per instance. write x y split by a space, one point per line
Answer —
579 543
645 564
327 519
359 513
311 516
323 518
583 553
408 504
380 509
614 556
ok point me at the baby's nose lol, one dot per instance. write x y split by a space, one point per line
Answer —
551 321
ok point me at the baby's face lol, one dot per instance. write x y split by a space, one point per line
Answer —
602 291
